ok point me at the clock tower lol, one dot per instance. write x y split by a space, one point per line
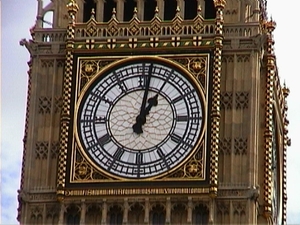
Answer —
153 112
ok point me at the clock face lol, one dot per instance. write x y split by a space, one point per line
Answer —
141 118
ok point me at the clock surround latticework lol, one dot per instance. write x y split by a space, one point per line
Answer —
90 70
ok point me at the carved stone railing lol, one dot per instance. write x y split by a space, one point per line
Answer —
50 35
145 29
126 29
241 30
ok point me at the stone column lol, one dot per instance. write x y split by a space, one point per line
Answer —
61 214
161 8
180 4
39 16
168 211
201 3
82 212
100 10
104 212
147 205
140 5
125 212
190 210
120 10
80 12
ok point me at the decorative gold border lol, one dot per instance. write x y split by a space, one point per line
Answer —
115 62
135 191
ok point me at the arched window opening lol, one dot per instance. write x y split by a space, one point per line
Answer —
190 9
210 10
158 215
48 19
109 5
170 9
200 215
115 216
73 217
179 215
128 9
93 215
149 9
136 214
87 9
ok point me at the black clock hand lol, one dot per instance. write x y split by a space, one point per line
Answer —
152 102
141 118
146 89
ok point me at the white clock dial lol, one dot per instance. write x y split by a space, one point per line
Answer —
140 119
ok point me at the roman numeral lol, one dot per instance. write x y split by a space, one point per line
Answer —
142 77
176 138
182 118
186 118
121 84
103 98
104 139
100 119
163 157
181 97
139 158
118 154
166 80
177 99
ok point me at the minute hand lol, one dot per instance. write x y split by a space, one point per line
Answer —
145 97
141 118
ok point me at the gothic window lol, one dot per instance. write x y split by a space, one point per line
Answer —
73 217
210 11
200 215
158 215
109 5
190 9
87 9
136 214
73 220
48 19
149 9
179 215
170 9
115 216
93 215
128 9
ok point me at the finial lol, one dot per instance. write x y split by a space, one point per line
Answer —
177 10
156 11
270 25
199 9
135 12
72 6
285 90
220 3
114 12
93 13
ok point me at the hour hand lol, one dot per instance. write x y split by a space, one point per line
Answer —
141 118
152 102
140 121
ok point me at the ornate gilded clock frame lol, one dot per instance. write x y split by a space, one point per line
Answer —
193 171
90 68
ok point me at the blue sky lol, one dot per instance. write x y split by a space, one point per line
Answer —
18 16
